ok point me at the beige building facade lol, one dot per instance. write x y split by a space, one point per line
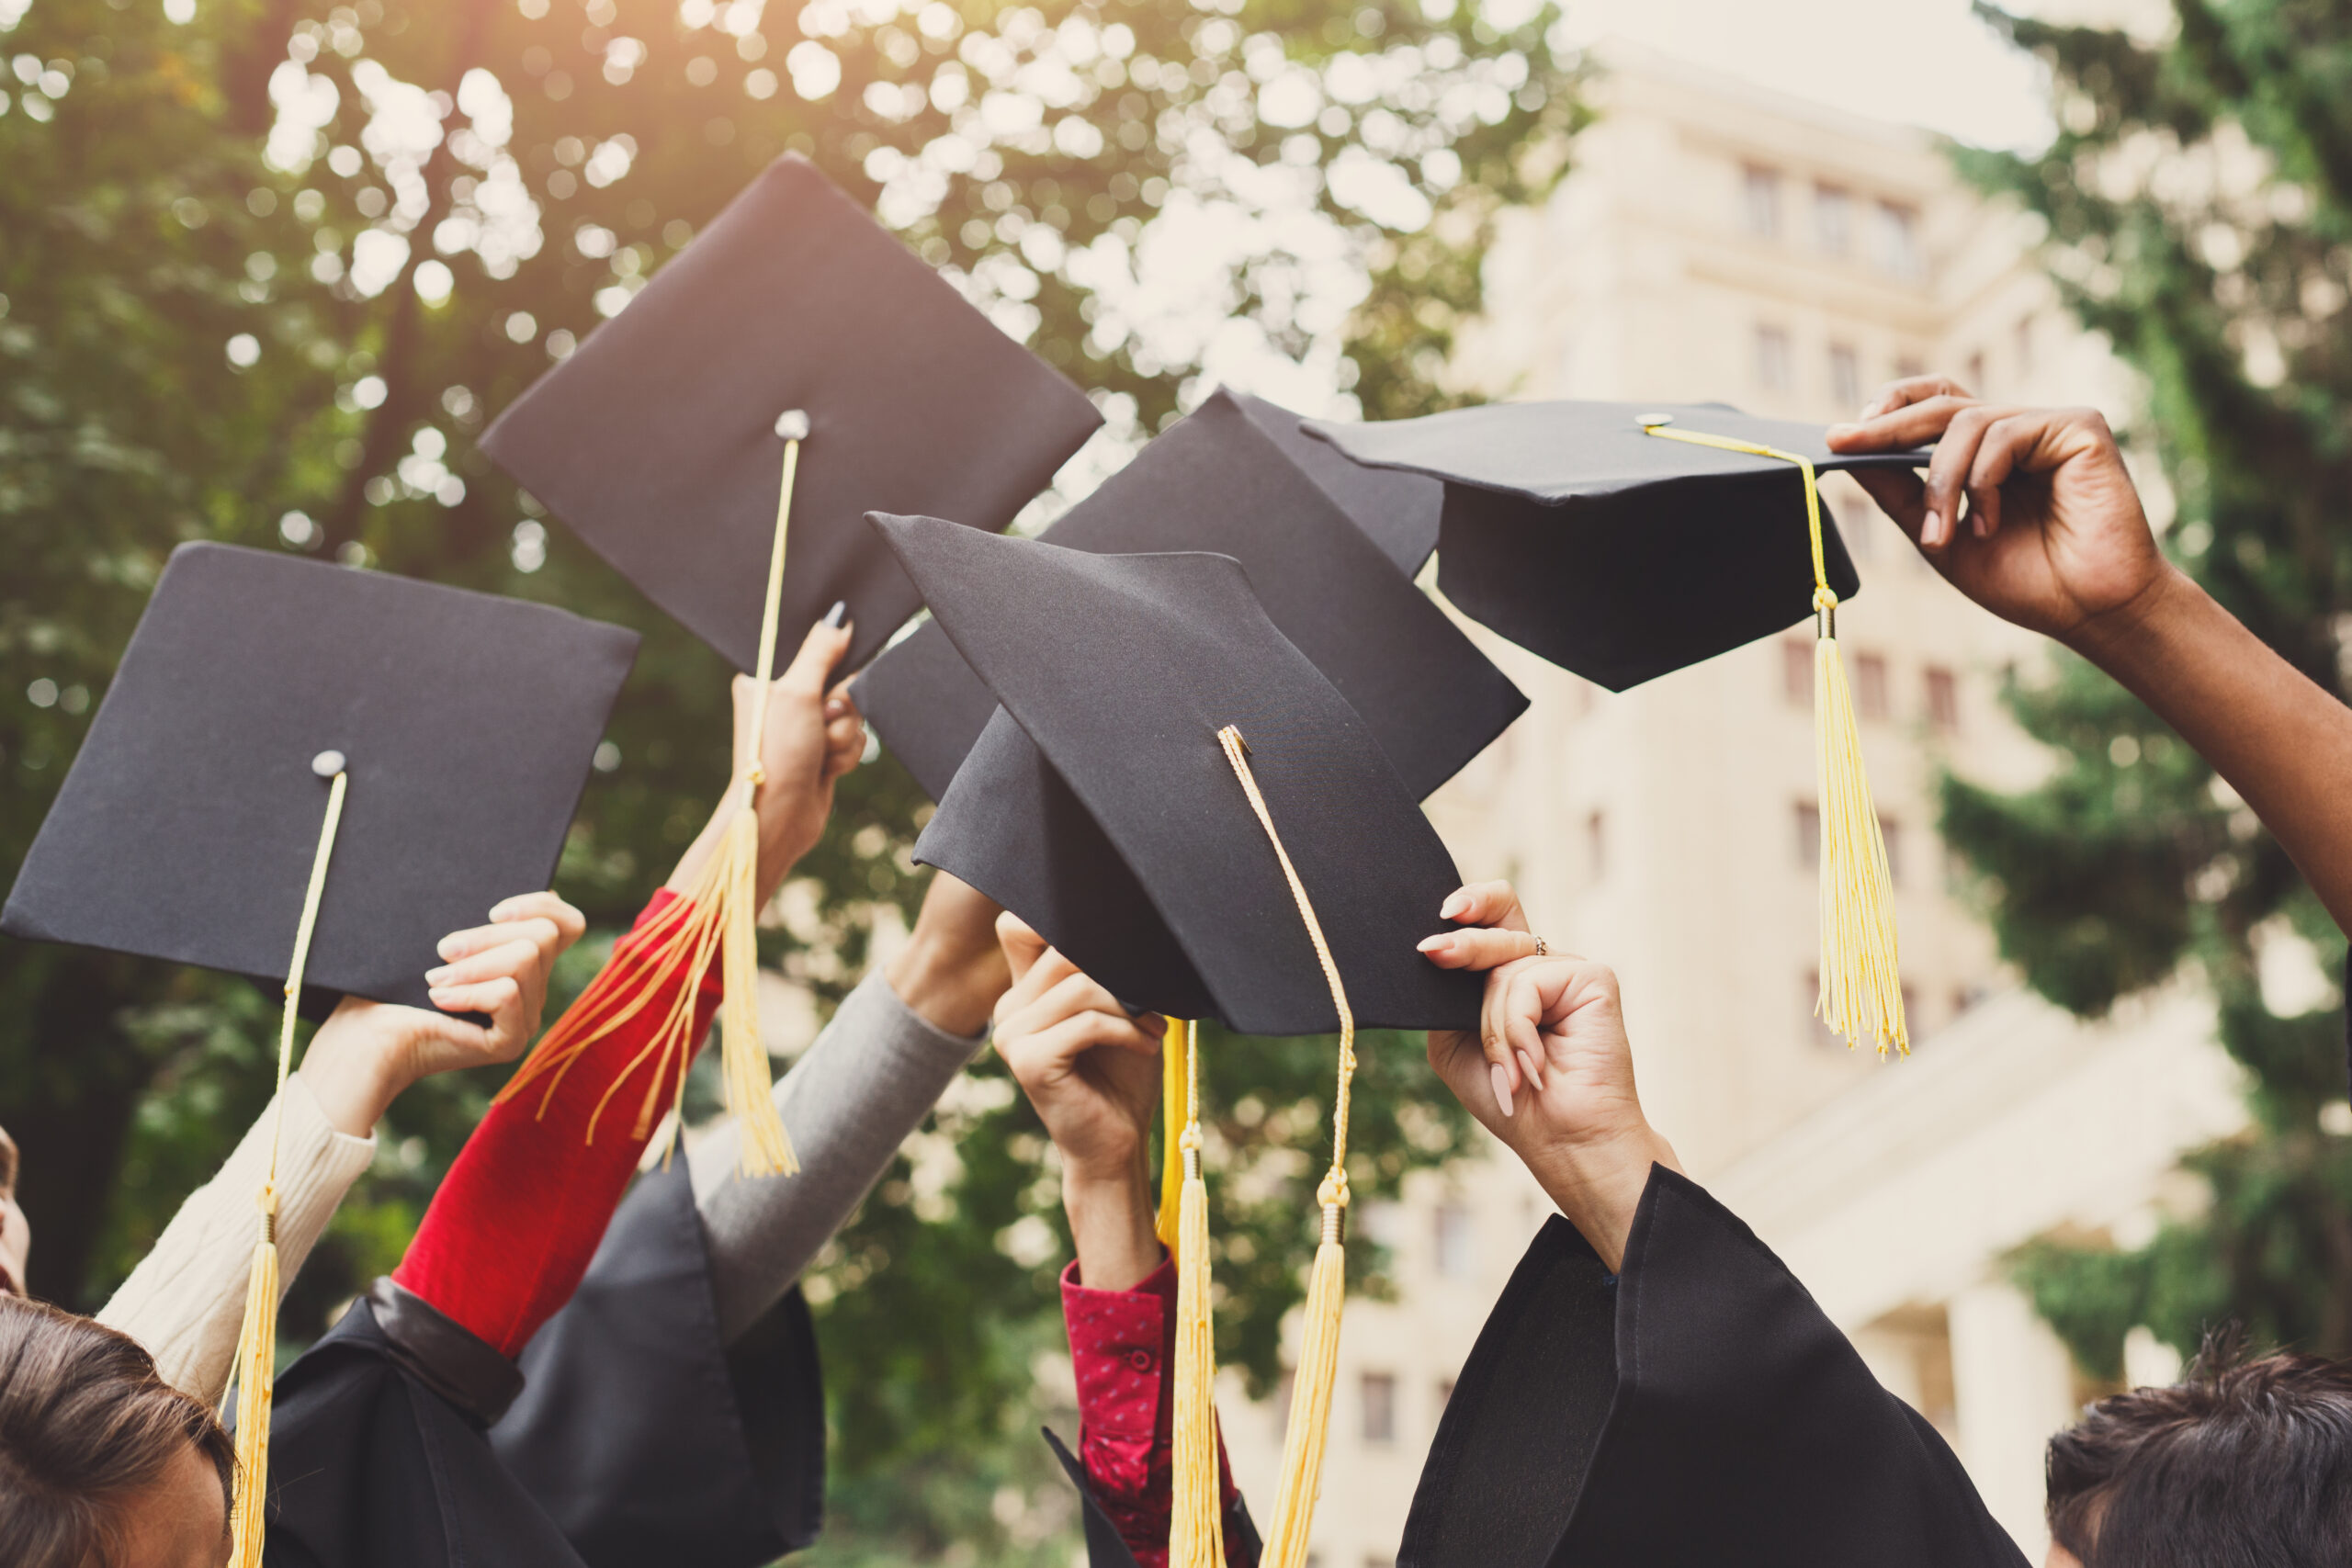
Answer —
1720 242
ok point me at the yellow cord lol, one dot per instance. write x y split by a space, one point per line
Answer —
1861 984
255 1365
716 917
1319 1360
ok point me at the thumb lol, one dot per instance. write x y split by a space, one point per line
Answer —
1022 946
811 669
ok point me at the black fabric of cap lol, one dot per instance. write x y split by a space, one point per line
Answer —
1399 511
1121 670
1217 480
1611 552
187 827
656 440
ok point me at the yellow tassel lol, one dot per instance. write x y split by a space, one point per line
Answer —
717 917
256 1372
1310 1409
1327 1286
255 1365
1196 1532
1861 984
1173 1111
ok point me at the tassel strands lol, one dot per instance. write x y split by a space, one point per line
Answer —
1861 984
718 919
1319 1362
255 1367
1196 1534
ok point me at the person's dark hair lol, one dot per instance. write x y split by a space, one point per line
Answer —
86 1424
2242 1461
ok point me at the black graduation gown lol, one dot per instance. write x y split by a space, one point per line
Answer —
1697 1410
626 1437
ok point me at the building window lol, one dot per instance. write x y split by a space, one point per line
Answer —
1898 241
1379 1396
1943 699
1975 372
1809 1006
1596 844
1871 698
1890 832
1444 1394
1907 365
1760 201
1914 1029
1833 219
2025 345
1774 370
1845 376
1808 835
1796 671
1455 1242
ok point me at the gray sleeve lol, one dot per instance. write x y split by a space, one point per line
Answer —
849 1102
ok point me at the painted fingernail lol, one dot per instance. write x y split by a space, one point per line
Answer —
1502 1086
1438 943
1453 907
1534 1073
1983 525
838 613
1932 528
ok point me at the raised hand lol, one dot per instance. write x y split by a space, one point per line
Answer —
1093 1072
366 1053
2054 537
810 738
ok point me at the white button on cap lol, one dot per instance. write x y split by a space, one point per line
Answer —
793 424
326 764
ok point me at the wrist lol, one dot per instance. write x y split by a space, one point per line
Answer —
2132 635
952 984
353 1087
1598 1184
1112 1222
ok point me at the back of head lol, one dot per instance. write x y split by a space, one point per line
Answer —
86 1427
2242 1462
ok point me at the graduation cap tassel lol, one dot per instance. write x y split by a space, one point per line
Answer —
717 917
255 1367
1861 984
1171 1133
1196 1534
1326 1285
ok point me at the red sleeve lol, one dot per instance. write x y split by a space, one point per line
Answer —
1123 1350
513 1225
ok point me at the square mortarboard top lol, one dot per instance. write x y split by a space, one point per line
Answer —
1099 806
1398 511
1618 554
1217 482
657 441
187 827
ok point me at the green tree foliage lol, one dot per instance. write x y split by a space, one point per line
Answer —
268 268
2199 203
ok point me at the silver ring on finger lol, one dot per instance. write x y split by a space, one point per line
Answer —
1542 949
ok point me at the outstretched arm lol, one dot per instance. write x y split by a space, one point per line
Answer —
2031 514
187 1298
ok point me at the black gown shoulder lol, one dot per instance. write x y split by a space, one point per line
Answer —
625 1436
1699 1409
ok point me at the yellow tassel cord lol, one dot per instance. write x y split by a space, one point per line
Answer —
1326 1287
716 919
255 1367
1861 984
1171 1131
1196 1532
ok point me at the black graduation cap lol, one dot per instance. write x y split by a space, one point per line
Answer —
189 825
659 439
1621 556
1399 511
1100 807
1217 481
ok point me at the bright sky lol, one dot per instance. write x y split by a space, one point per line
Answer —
1927 63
